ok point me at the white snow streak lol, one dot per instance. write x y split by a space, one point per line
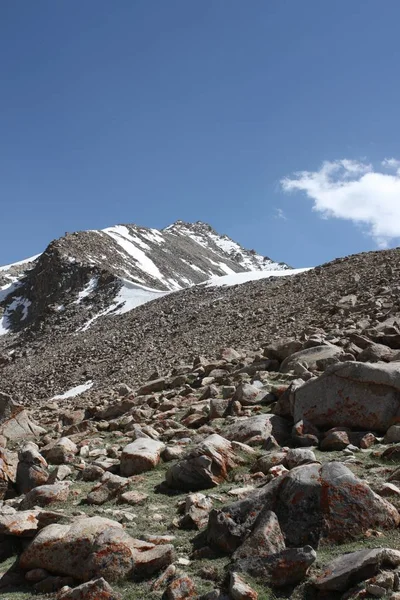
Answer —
239 278
87 290
121 235
75 391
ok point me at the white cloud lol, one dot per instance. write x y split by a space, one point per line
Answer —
355 191
279 214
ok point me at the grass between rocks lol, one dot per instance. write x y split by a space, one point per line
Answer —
156 516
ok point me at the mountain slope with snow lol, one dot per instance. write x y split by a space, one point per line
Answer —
87 275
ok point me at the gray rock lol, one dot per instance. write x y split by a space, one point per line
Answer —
313 503
392 435
254 430
351 394
310 356
205 466
348 570
32 468
141 455
287 567
94 547
15 422
95 589
108 488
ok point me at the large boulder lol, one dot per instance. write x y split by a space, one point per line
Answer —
94 547
255 430
15 422
351 394
313 503
311 356
204 467
141 455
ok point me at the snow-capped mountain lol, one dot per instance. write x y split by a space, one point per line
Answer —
89 274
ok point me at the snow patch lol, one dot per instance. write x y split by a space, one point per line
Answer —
75 391
130 296
87 290
239 278
18 303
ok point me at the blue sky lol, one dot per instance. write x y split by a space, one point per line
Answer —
148 112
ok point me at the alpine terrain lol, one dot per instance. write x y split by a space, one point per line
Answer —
182 418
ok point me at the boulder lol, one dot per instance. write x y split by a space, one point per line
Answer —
255 430
108 488
248 394
197 509
313 503
392 435
15 422
141 455
265 539
351 394
348 570
310 356
299 456
94 547
287 567
181 588
61 452
239 590
60 473
156 385
96 589
44 495
335 440
204 467
32 468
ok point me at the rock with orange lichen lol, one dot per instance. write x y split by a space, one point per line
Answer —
313 503
94 547
207 465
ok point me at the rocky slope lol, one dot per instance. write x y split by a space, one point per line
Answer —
216 443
